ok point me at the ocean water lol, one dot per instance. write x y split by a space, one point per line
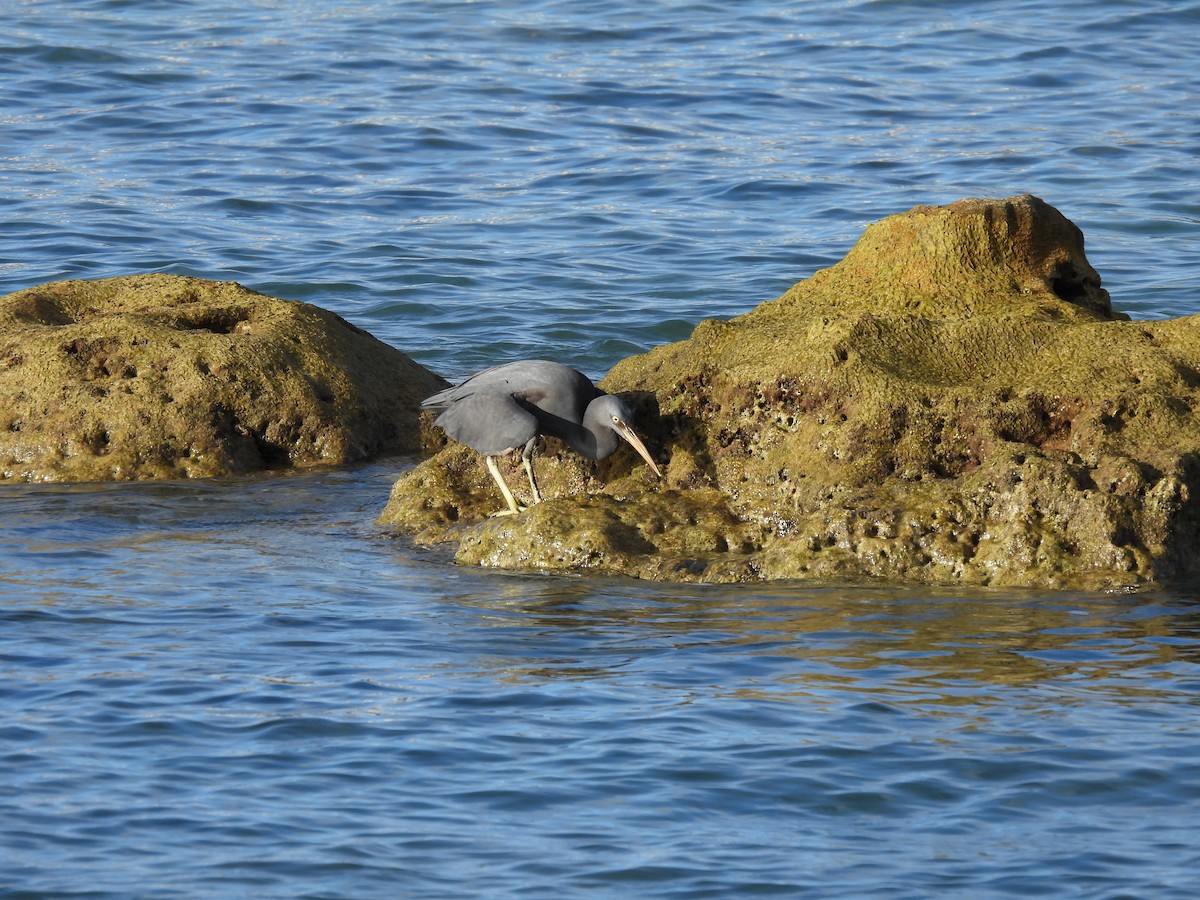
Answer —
244 689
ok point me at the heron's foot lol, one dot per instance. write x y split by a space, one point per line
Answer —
513 506
507 512
527 462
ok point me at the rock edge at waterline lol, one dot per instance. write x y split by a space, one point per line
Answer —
163 376
953 402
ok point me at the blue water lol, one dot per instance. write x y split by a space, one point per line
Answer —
244 689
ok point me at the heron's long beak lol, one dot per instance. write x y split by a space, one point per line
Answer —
626 432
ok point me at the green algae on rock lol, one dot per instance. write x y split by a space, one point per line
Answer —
953 402
164 376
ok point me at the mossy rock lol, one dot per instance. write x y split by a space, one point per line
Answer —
164 376
954 402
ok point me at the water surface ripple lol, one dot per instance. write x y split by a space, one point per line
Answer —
475 181
241 688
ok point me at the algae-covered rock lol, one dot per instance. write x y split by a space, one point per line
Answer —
955 401
163 376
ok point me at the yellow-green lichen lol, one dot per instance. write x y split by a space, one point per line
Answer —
162 376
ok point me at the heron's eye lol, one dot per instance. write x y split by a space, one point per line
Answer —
616 420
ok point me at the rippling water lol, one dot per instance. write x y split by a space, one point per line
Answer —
243 689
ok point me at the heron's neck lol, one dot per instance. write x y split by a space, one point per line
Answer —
593 439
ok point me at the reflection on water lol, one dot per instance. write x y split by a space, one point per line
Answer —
149 544
185 663
926 645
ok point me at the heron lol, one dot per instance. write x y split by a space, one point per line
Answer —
505 407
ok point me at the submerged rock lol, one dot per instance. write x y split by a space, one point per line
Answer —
163 376
953 402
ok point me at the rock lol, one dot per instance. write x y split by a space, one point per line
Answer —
162 376
953 402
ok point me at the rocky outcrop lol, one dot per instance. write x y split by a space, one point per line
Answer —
162 376
953 402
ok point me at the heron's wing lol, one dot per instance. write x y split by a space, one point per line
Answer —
443 399
489 422
495 378
440 400
544 384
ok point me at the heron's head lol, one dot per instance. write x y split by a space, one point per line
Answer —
612 412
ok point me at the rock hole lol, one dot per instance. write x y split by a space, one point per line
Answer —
1067 284
274 455
1123 536
217 321
42 311
1189 375
98 440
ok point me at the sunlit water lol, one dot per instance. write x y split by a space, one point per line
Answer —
244 689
